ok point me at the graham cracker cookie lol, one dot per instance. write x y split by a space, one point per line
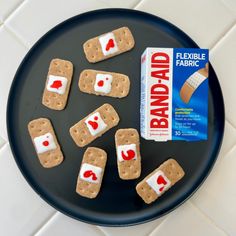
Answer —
193 82
159 181
108 45
128 153
45 142
94 125
91 172
57 85
104 83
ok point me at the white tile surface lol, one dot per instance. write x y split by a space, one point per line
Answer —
2 141
12 52
121 3
223 58
187 220
46 14
22 211
204 21
231 4
217 197
138 230
229 139
61 225
8 6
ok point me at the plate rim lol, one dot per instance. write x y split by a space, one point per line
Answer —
32 183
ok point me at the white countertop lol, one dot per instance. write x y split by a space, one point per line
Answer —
212 209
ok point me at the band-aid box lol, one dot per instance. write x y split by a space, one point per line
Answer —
174 94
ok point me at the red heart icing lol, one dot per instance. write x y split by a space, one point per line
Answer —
110 44
45 143
130 155
56 84
100 83
89 173
161 180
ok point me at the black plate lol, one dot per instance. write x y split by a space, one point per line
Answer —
117 203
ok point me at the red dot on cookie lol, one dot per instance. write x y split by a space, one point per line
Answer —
100 83
95 118
45 143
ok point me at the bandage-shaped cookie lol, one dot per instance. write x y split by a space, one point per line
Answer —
45 142
108 45
94 125
91 172
104 83
159 181
192 83
128 153
57 85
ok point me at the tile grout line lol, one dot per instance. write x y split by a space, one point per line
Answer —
230 123
227 6
223 36
208 219
156 228
230 150
4 145
40 227
99 229
136 4
13 10
16 36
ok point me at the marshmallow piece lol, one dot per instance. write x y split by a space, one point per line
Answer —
44 143
103 83
57 84
95 124
90 173
108 44
127 152
159 182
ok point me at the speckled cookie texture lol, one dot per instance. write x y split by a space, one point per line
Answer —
123 41
129 167
119 85
61 70
97 158
172 171
40 127
82 135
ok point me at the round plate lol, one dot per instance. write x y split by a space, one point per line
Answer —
117 202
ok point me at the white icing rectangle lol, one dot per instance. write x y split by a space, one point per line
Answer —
90 173
159 182
44 143
127 152
108 44
57 84
95 124
103 83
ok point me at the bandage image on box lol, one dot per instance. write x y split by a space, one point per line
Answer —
159 181
192 83
128 153
174 94
91 172
57 85
94 125
45 142
104 83
108 45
